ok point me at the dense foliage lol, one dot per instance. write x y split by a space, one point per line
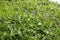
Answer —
29 20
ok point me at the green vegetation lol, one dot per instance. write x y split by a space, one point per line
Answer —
29 20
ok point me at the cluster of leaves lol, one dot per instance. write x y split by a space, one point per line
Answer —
29 20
